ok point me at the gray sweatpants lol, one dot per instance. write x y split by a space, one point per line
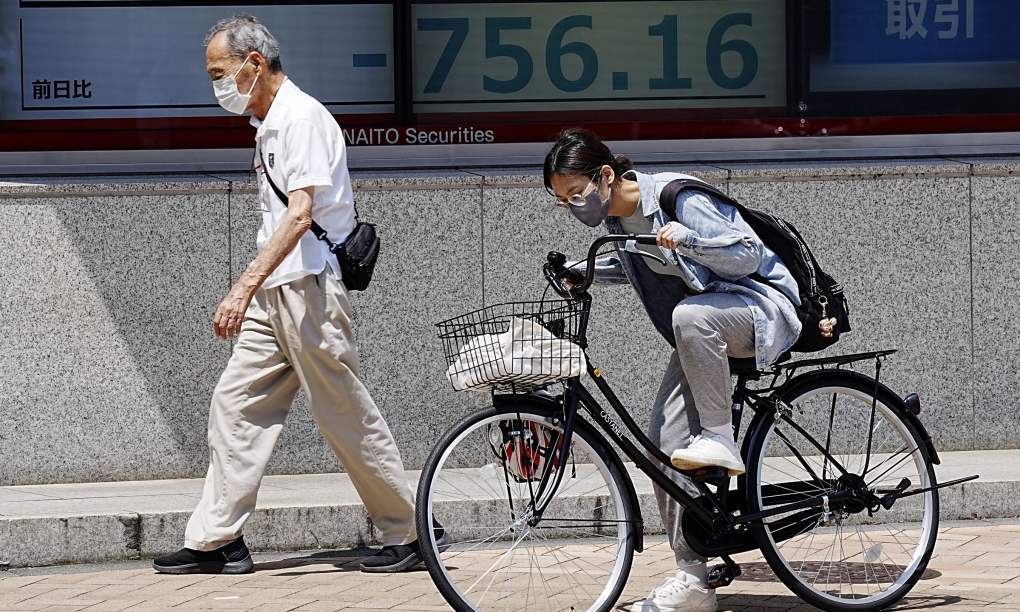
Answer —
696 390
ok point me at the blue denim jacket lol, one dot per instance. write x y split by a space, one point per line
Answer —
716 251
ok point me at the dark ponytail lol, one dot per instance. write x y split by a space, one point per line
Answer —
578 151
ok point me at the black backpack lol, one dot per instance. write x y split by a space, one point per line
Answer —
821 297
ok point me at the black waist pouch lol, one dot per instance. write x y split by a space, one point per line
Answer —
357 256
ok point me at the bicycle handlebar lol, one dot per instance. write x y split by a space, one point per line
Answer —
589 275
555 268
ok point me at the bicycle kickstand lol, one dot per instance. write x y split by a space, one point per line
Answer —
722 575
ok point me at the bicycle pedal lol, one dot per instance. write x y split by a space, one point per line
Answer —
706 474
722 575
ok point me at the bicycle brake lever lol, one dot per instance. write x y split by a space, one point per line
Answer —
555 280
650 256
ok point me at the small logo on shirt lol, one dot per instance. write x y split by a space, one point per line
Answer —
272 159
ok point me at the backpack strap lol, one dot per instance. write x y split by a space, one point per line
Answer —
669 194
667 202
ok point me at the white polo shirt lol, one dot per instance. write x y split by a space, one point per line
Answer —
302 146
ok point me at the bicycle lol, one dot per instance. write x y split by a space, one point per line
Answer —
544 516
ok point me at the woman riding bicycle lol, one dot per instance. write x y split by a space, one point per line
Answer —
704 304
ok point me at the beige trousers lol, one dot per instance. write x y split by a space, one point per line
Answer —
297 335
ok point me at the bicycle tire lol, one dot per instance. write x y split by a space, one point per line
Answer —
891 560
579 555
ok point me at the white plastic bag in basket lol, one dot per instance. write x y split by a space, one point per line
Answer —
526 349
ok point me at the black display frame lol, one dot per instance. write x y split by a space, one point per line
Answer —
815 16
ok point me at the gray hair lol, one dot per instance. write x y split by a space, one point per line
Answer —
246 34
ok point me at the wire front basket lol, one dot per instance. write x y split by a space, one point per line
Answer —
517 346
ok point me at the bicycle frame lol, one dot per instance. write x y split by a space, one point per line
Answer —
719 532
717 518
713 513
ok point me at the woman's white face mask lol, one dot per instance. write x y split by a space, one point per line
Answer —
229 96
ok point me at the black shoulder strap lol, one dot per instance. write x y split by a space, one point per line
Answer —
669 193
316 229
667 202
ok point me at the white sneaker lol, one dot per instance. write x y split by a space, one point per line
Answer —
709 449
680 594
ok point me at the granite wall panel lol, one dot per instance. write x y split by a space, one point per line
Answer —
521 227
428 270
300 449
996 229
886 242
108 359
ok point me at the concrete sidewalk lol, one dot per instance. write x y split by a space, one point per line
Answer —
80 523
975 568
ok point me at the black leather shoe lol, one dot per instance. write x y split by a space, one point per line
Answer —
233 558
392 559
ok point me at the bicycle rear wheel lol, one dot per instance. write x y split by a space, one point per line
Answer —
845 557
478 485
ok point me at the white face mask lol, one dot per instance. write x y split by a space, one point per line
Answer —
227 94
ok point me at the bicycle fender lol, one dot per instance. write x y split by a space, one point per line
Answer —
888 397
502 401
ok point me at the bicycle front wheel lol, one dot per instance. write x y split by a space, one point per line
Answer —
478 484
854 555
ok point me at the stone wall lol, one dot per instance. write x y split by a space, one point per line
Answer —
110 284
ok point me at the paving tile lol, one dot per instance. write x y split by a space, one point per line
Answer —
57 595
323 606
114 590
383 603
115 605
967 582
14 582
321 591
983 583
9 598
64 579
26 605
277 607
996 557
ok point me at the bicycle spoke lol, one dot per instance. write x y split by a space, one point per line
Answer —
843 554
567 560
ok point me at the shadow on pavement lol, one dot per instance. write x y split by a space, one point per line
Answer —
928 602
342 561
741 602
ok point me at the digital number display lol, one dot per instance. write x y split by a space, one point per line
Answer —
78 62
599 55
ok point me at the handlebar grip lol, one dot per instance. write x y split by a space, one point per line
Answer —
555 270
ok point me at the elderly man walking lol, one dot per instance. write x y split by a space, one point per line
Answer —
291 316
